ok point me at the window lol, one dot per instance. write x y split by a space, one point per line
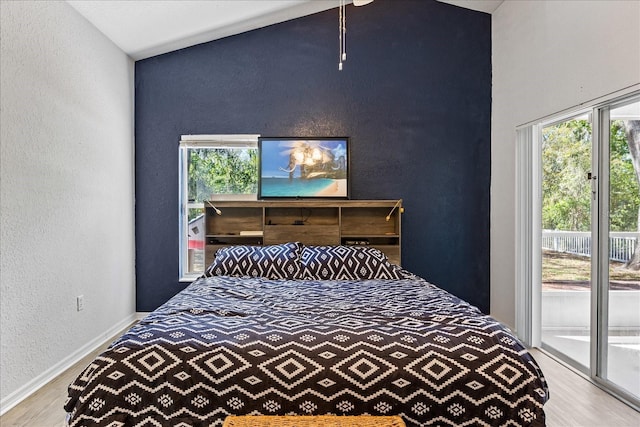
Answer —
212 167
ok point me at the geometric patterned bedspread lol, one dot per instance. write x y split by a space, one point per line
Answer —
274 347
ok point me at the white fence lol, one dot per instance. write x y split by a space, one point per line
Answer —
621 243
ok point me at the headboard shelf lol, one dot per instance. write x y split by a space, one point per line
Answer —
312 222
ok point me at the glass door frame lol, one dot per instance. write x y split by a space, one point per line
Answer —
600 243
601 130
537 229
529 231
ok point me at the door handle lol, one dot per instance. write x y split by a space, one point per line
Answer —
594 187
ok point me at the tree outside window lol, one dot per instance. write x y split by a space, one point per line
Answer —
212 167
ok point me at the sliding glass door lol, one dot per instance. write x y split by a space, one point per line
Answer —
566 239
589 250
619 317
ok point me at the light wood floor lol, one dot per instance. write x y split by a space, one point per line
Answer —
44 408
575 402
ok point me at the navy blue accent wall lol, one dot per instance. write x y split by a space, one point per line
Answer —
414 97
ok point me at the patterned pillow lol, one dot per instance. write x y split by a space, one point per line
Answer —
347 263
272 261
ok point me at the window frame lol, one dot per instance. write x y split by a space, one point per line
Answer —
229 141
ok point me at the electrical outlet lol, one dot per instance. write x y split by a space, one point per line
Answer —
80 302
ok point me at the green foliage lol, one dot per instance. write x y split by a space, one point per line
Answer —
566 160
624 188
221 171
566 192
194 213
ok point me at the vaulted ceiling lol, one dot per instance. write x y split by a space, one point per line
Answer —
145 28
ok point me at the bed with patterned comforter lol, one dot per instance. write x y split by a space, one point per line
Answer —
255 345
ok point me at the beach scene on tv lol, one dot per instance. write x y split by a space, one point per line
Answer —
303 168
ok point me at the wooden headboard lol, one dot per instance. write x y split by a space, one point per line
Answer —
312 222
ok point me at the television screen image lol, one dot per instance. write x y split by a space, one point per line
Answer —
304 167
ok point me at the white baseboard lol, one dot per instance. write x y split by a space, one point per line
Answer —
35 384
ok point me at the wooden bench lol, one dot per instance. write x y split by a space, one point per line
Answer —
312 421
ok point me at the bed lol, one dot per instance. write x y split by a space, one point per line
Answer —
311 330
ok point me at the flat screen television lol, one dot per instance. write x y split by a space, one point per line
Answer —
308 167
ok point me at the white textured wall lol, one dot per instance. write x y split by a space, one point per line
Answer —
548 56
66 190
